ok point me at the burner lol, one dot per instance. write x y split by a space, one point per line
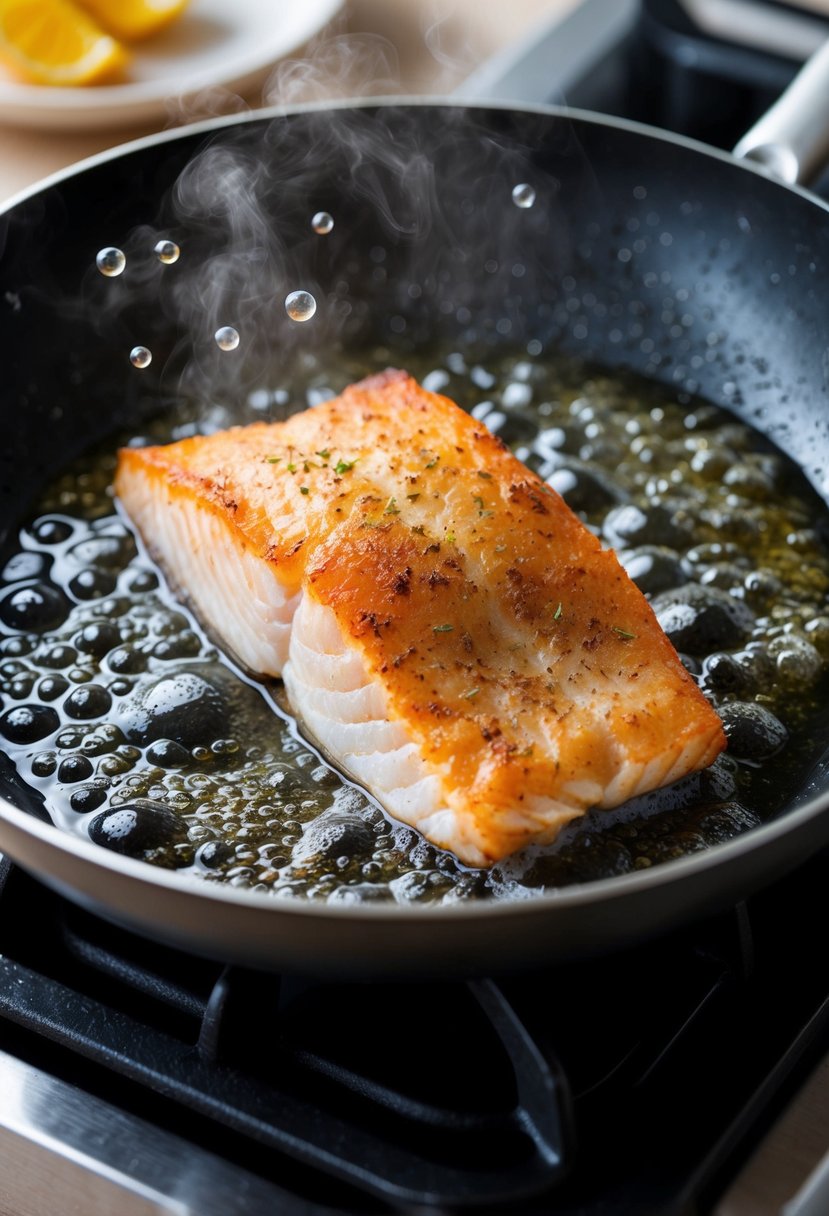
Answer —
701 68
350 1079
495 1093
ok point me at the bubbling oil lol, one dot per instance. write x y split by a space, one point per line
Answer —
111 261
226 337
167 252
300 305
136 732
322 223
523 195
141 357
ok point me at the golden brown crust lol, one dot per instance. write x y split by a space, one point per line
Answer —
519 654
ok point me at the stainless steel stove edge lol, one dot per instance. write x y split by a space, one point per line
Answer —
544 66
63 1150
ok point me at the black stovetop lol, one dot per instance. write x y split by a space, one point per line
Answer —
574 1091
667 71
630 1085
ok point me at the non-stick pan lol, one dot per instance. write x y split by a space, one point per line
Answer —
428 186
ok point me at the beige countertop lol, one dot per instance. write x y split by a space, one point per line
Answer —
406 46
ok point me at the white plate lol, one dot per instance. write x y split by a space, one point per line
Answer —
215 44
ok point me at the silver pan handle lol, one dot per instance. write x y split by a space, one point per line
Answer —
791 140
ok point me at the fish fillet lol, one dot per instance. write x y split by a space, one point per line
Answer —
447 629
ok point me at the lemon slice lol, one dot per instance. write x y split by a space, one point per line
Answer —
53 42
134 19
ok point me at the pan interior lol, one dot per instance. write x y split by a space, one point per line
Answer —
628 255
158 748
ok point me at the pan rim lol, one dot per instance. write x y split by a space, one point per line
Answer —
617 887
212 125
574 895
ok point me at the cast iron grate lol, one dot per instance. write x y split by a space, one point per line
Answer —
326 1073
450 1095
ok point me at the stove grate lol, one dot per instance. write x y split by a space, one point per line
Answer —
487 1094
234 1045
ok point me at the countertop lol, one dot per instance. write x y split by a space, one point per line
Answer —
403 46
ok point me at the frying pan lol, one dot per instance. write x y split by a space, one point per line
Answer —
421 191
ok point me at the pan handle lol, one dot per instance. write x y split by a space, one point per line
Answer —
791 140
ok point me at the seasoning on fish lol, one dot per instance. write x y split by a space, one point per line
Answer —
447 629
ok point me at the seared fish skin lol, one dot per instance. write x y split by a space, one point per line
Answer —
447 629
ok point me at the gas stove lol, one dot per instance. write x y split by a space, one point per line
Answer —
136 1078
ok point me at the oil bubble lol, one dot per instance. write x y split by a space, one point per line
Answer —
167 252
140 356
227 338
110 261
300 305
322 223
523 195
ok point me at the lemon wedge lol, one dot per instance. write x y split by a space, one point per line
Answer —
133 20
53 42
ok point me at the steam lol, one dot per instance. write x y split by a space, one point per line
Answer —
427 244
213 101
336 64
337 67
446 41
342 62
